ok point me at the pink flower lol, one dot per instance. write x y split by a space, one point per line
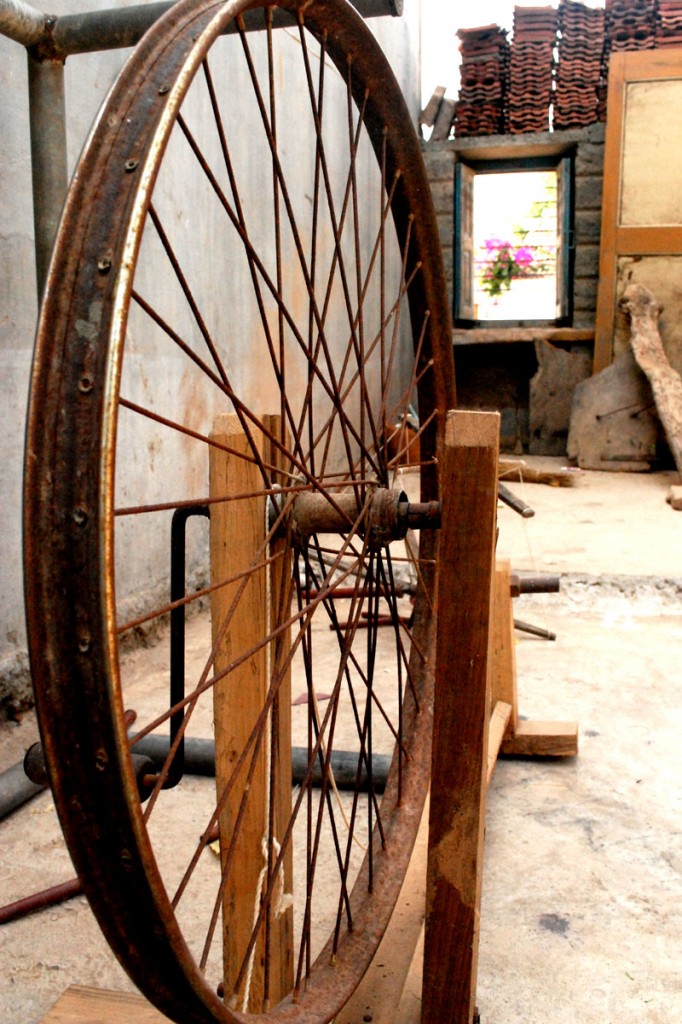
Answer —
523 257
494 244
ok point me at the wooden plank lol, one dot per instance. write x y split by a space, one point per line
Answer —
502 652
468 461
543 739
510 335
649 241
380 991
237 536
499 722
410 1006
81 1004
606 292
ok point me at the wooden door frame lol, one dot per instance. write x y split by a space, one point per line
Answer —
616 240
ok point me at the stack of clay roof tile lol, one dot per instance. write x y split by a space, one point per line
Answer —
530 69
630 24
483 81
669 23
578 79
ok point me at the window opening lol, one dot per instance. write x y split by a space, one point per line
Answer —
515 243
512 240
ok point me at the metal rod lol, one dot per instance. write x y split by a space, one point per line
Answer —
533 584
22 23
526 627
178 590
48 156
39 900
114 28
520 506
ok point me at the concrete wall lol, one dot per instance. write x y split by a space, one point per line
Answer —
88 79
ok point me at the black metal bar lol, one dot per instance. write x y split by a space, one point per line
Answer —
505 495
526 627
178 590
200 760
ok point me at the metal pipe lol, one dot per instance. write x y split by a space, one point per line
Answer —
200 760
40 900
533 584
16 789
22 23
48 156
116 28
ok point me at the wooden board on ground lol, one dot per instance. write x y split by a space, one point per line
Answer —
379 993
81 1004
543 739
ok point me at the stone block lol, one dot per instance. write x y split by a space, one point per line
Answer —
614 425
587 226
588 192
440 162
586 261
551 394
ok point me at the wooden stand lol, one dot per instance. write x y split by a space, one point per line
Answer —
476 718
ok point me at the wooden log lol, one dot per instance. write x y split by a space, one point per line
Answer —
666 383
468 461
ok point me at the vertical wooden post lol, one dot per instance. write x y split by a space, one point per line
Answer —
503 660
237 534
468 463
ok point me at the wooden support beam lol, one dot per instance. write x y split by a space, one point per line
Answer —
499 721
502 655
468 463
237 538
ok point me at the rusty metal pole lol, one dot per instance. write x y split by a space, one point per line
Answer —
48 156
49 41
22 23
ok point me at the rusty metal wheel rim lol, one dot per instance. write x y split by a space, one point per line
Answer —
70 487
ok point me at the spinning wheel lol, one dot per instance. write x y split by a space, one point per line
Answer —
237 322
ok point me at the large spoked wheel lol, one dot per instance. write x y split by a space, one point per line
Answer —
245 306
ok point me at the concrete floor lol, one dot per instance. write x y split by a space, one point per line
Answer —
582 901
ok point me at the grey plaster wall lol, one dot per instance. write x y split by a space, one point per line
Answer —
88 79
